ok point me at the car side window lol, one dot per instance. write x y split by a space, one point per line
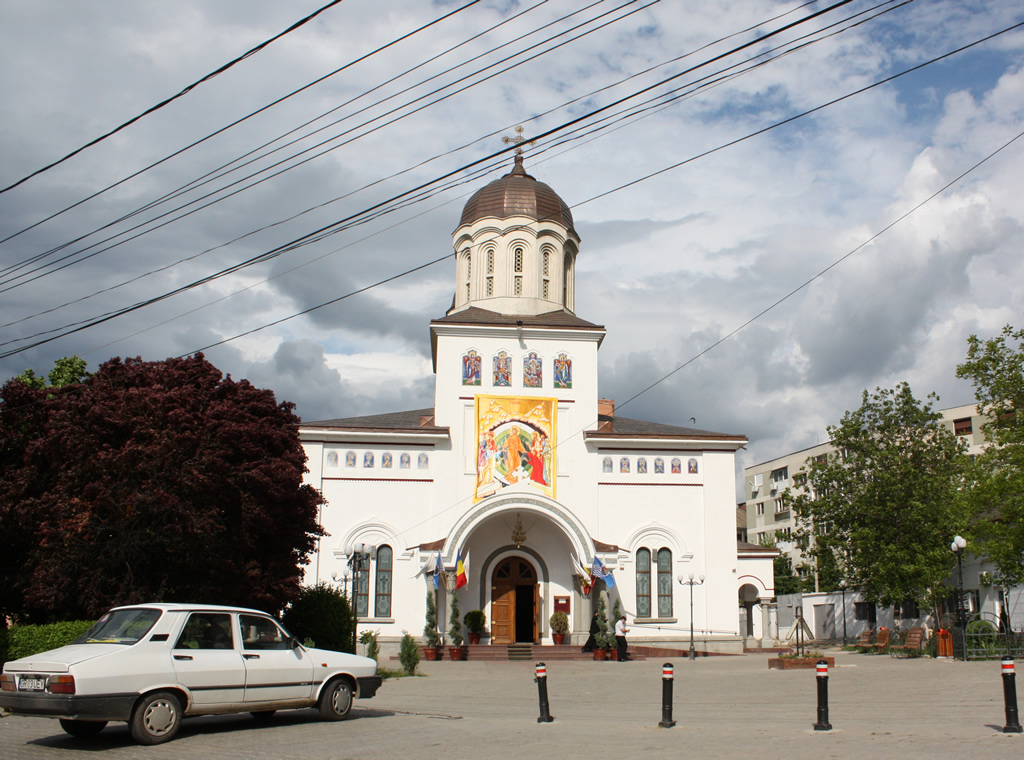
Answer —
261 633
206 630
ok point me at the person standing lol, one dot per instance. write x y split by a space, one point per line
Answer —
595 628
620 638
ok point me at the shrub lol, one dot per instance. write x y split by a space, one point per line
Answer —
430 634
322 613
455 627
475 621
409 654
26 640
559 623
369 640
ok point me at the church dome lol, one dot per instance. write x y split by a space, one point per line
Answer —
517 194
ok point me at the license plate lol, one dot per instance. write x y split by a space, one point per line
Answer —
32 684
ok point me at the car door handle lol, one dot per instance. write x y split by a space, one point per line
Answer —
182 657
251 656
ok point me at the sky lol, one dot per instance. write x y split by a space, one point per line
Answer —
768 226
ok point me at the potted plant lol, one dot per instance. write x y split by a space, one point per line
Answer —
613 649
603 638
432 639
559 627
455 648
475 621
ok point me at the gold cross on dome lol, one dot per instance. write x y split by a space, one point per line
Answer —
518 140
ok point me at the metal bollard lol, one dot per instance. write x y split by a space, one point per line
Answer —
667 672
1010 697
822 724
542 692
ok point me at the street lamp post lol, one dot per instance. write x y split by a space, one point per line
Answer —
842 587
958 546
689 581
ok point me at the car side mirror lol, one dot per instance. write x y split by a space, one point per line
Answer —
293 643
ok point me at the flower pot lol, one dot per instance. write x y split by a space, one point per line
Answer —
432 653
558 638
457 653
613 655
600 654
474 638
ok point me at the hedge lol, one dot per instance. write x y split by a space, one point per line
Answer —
26 640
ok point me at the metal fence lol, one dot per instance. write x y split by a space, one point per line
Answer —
985 639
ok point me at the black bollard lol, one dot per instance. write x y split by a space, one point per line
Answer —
666 696
822 724
542 692
1010 697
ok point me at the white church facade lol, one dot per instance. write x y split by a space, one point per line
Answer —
523 471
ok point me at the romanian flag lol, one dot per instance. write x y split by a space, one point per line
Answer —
461 571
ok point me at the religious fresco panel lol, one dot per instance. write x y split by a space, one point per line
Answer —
515 444
422 462
385 460
533 371
691 466
368 460
677 466
502 370
606 464
332 458
404 462
659 466
471 368
350 459
563 371
624 464
641 466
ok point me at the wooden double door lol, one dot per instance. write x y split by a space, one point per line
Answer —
515 602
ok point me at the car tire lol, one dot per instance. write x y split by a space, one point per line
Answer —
263 716
336 700
82 729
156 719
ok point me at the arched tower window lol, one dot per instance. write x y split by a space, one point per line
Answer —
664 583
643 583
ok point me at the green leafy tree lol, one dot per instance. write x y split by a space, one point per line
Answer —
150 481
322 614
996 368
66 371
883 506
786 580
409 654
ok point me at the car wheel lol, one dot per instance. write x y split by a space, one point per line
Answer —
336 701
82 728
156 719
263 716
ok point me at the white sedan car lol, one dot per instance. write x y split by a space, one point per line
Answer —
153 664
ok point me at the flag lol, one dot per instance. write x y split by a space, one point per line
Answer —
600 571
438 571
428 567
583 574
461 572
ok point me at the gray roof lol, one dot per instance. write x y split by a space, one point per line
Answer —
610 427
392 421
477 316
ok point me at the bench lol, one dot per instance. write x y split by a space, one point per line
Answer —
910 647
881 642
864 640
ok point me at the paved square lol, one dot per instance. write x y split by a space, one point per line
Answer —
725 707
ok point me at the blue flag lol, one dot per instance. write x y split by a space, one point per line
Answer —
438 570
598 570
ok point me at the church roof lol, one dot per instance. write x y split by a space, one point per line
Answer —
517 194
623 427
419 420
477 316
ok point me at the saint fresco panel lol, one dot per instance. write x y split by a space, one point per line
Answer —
471 368
502 370
515 444
563 371
533 371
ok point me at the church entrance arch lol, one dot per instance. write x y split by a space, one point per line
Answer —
515 602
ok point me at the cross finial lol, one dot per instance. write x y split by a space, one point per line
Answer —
518 140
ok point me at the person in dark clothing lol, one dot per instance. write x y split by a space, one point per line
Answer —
591 644
620 638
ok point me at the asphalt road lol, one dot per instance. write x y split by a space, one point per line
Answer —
725 707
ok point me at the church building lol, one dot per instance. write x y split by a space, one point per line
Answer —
526 474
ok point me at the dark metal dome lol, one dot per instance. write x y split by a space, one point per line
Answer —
517 194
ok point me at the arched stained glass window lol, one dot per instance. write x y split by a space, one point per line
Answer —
643 583
664 583
382 583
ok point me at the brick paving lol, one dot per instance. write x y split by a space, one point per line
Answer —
725 707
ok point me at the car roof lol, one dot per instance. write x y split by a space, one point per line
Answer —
183 607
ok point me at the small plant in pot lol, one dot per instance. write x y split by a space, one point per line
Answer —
455 649
431 638
603 638
559 627
475 621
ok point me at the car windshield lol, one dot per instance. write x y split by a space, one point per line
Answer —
120 627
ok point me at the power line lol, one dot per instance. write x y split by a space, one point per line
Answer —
171 99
